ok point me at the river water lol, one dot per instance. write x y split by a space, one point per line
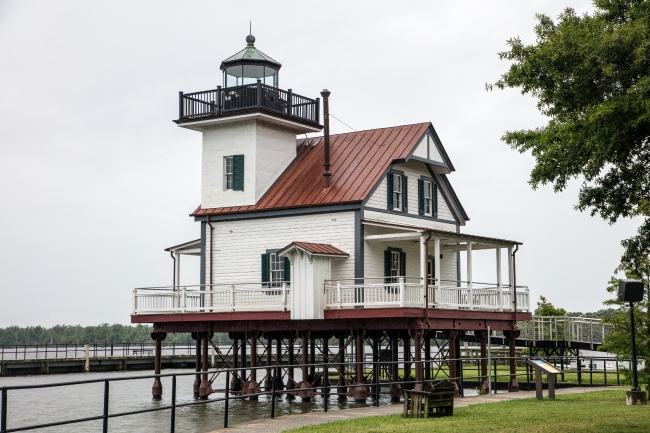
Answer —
37 406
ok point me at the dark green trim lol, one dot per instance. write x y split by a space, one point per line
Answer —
266 273
238 172
389 191
204 226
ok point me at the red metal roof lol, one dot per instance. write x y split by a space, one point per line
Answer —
316 248
359 159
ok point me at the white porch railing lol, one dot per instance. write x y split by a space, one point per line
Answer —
212 298
251 297
407 294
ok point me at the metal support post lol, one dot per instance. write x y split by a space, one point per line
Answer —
105 415
227 399
172 422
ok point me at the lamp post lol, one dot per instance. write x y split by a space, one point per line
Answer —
632 291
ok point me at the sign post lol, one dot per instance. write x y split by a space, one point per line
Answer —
632 291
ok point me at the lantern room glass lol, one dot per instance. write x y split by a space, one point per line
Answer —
241 75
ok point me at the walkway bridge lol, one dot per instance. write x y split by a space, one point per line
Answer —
555 336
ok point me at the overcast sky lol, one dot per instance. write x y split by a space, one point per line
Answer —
96 180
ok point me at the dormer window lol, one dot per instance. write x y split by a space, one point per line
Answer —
427 197
396 183
233 173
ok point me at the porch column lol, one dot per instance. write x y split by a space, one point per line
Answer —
513 385
436 267
177 269
511 277
470 291
423 265
156 389
499 287
483 387
305 370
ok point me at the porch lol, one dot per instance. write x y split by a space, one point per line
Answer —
403 250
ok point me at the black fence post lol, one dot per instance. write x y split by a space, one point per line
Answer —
605 370
225 410
618 379
105 420
180 105
579 370
527 377
3 412
273 394
495 375
591 371
172 425
377 390
462 386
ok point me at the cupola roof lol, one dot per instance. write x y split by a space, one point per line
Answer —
250 55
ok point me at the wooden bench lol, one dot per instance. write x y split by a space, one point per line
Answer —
436 403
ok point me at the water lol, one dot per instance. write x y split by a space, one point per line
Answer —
36 406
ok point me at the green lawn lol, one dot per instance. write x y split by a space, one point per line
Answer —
601 412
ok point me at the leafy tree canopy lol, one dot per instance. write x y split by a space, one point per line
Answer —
591 77
545 308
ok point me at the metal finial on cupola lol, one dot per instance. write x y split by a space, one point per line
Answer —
250 39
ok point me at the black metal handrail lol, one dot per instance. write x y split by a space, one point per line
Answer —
221 101
324 388
55 351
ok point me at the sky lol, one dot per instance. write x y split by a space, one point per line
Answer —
96 180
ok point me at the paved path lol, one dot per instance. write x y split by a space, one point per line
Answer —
287 422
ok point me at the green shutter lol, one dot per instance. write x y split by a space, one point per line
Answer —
389 189
265 268
287 270
434 200
420 197
238 172
402 263
387 266
405 194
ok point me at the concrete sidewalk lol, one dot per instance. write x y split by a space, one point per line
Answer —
288 422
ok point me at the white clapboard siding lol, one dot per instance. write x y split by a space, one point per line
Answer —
374 256
413 170
238 245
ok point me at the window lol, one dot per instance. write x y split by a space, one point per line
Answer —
427 197
228 171
395 268
428 194
394 265
275 270
233 173
397 191
276 266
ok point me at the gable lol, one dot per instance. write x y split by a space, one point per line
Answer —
427 149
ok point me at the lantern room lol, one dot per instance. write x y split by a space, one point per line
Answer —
248 66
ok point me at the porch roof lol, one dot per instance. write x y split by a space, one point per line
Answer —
445 235
314 249
192 248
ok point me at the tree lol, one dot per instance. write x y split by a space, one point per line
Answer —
591 77
545 308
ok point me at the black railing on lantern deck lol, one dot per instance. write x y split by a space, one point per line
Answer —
249 97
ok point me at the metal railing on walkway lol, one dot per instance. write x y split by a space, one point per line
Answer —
324 386
56 351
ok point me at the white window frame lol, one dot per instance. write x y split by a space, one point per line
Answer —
228 172
276 269
428 198
397 192
395 265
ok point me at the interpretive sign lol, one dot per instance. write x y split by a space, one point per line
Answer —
551 371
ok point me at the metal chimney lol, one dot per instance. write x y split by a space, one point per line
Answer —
326 120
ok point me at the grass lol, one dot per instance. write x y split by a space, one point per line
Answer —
601 412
